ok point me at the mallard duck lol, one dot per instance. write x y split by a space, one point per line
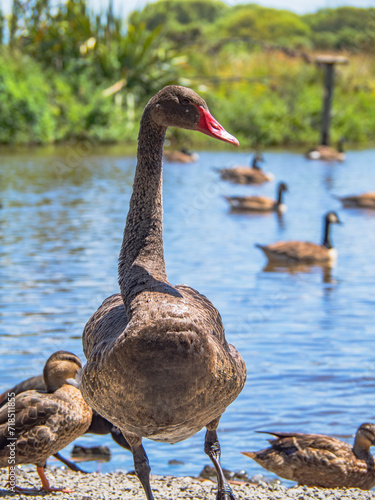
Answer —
327 153
318 460
260 203
158 365
246 175
98 425
44 423
180 156
302 252
365 200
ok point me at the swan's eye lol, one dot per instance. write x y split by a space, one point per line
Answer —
184 101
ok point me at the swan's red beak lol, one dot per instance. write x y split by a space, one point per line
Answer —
209 126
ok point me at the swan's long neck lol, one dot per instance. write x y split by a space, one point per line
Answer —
326 234
141 261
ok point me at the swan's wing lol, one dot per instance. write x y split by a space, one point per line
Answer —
207 312
108 322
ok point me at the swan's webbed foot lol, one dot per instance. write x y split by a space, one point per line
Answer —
212 449
225 495
141 465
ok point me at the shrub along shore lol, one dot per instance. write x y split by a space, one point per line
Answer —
68 73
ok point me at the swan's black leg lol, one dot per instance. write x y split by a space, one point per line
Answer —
212 449
141 465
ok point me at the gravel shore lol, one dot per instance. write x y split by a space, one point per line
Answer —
97 486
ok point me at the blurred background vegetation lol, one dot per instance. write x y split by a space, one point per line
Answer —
68 73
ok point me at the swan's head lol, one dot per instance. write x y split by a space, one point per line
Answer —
59 367
176 106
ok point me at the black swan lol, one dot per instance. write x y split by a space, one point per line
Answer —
44 423
319 460
158 365
302 252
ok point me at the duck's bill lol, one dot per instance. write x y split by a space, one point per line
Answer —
209 126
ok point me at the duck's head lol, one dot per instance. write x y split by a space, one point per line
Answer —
176 106
59 367
365 436
332 218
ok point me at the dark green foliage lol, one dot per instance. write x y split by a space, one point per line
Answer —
343 28
68 73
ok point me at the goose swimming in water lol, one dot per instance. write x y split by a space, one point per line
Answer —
259 203
158 365
365 200
247 175
303 252
327 153
319 460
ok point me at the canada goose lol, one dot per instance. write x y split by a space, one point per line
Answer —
44 423
318 460
98 425
260 203
365 200
327 153
180 156
158 365
301 252
247 175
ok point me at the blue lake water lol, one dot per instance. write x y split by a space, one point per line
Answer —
308 338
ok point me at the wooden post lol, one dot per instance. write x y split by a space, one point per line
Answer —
328 62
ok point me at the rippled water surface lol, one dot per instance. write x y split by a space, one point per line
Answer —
307 336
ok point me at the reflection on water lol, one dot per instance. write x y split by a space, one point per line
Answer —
307 334
323 269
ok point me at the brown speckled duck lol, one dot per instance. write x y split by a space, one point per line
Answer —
158 365
247 175
318 460
365 200
45 423
259 203
98 425
303 252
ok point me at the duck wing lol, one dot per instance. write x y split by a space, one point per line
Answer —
43 424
